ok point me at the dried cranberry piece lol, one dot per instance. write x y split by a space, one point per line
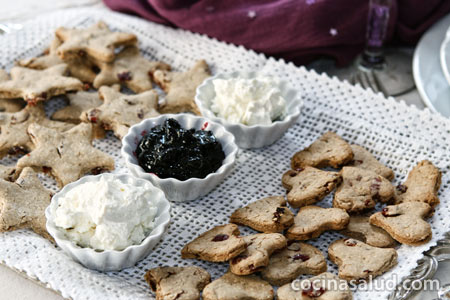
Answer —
298 256
358 178
350 242
144 132
299 169
375 187
238 259
140 114
220 238
46 169
402 188
368 202
86 86
385 211
205 125
367 271
93 115
44 95
124 76
278 213
313 293
377 179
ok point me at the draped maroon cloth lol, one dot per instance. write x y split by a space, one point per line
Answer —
296 30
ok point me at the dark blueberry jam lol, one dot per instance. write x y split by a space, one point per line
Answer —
170 151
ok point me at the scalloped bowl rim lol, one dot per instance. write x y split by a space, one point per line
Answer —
296 102
127 150
60 236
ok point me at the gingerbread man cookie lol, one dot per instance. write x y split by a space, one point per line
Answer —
267 215
259 248
405 222
308 185
329 150
294 260
360 189
357 260
312 221
234 287
422 185
218 244
181 283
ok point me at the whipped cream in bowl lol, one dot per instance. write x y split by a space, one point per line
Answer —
109 221
255 107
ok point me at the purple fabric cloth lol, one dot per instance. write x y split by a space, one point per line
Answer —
296 30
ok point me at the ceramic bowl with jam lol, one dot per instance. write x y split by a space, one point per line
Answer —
184 155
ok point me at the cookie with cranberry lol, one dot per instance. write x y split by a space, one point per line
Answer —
365 160
329 150
97 41
405 222
294 260
181 283
78 67
422 185
38 85
309 185
218 244
266 215
358 261
180 87
360 228
259 248
129 68
312 221
234 287
325 286
361 189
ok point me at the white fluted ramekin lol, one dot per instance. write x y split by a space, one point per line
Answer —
254 136
177 190
110 260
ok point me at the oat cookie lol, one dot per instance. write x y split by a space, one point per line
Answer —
405 222
422 185
294 260
360 189
181 283
180 87
312 221
309 185
120 111
23 203
259 248
78 68
14 138
357 260
9 105
325 286
364 159
66 156
96 41
218 244
234 287
38 85
266 215
329 150
359 228
129 68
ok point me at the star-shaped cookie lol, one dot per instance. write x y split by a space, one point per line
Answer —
96 41
23 203
180 87
129 68
13 129
78 68
9 105
38 85
67 156
120 111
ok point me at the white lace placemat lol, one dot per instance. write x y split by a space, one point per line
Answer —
396 134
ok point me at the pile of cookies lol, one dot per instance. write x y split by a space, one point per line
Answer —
88 67
279 254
